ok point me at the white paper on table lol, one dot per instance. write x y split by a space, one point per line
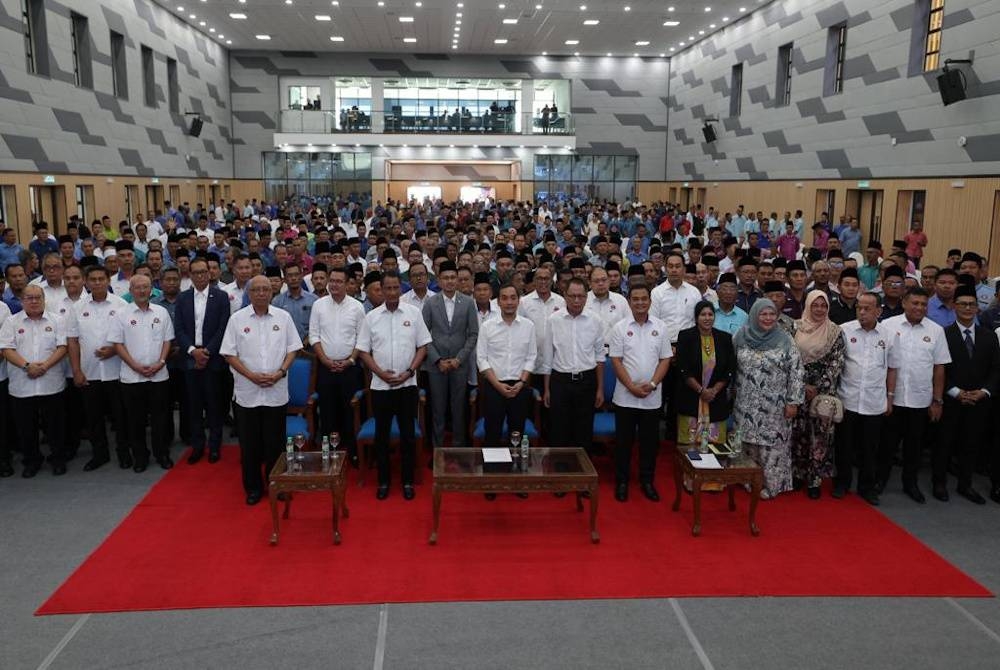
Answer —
501 455
707 462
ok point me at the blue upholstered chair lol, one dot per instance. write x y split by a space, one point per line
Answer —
300 417
604 418
366 429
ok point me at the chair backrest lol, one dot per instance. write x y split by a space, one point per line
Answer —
610 381
301 381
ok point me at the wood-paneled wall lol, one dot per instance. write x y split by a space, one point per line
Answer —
958 213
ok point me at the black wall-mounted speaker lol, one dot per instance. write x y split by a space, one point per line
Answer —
709 133
196 124
951 86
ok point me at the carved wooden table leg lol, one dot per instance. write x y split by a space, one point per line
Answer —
696 485
335 499
273 498
595 537
732 497
288 504
678 480
579 501
436 497
757 485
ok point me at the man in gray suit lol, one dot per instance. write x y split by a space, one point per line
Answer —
451 319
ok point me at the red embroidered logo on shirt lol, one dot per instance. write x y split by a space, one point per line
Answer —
156 320
133 322
656 334
927 338
629 333
111 313
86 313
48 329
613 308
854 340
406 324
247 330
276 328
20 331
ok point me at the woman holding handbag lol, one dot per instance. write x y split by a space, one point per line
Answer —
706 362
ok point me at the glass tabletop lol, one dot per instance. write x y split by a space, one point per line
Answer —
727 462
310 464
542 462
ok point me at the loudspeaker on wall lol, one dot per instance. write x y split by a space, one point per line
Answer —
709 133
196 125
951 86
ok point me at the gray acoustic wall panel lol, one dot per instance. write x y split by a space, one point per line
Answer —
49 124
847 135
619 104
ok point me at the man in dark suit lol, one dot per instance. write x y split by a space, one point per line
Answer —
202 314
454 326
971 379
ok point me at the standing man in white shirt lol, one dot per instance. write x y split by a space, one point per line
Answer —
393 343
867 387
538 306
418 293
141 334
96 368
919 352
610 307
6 469
573 365
260 344
34 343
673 301
334 327
640 354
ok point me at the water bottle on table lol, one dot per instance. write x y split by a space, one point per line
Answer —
289 455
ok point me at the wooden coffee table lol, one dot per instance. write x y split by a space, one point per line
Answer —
311 474
736 471
549 471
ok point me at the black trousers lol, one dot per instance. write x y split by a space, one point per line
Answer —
497 408
206 405
857 441
101 401
630 422
30 414
73 418
262 439
571 403
142 400
178 394
964 431
335 414
6 434
544 415
909 425
401 404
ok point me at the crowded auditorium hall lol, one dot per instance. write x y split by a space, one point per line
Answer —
624 334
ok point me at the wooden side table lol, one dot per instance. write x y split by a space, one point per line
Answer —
314 474
738 471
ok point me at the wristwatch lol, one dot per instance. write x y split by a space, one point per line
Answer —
284 372
654 384
25 366
938 401
411 371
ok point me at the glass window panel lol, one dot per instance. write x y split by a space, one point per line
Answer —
275 165
624 190
562 168
319 166
343 166
583 168
561 190
604 168
625 168
541 190
320 188
604 189
274 189
542 167
298 187
298 166
363 166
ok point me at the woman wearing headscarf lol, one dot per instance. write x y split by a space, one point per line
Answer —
706 362
769 390
821 346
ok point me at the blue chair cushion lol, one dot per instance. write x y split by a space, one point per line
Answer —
298 382
295 424
604 424
367 432
480 429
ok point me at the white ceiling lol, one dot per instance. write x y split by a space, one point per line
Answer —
367 27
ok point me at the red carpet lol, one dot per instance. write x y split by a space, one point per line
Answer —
192 543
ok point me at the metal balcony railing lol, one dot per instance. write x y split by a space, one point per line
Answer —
327 122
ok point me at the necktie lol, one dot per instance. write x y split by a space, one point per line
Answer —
969 346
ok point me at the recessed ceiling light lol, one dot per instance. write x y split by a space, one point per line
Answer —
701 32
229 41
711 25
406 19
180 9
475 146
635 55
263 37
708 9
357 145
538 6
410 40
458 22
336 38
500 40
627 8
671 24
591 22
725 18
642 43
545 53
238 15
510 21
690 38
498 146
521 146
460 5
335 3
192 16
671 48
452 146
323 17
670 9
404 146
415 4
743 9
202 23
211 30
608 54
458 15
428 146
576 53
454 46
583 8
381 4
221 36
288 2
572 42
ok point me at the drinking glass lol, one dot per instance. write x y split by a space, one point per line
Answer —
299 442
515 446
334 441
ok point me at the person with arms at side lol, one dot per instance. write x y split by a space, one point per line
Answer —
941 306
795 295
729 318
769 390
296 300
6 468
893 287
706 364
260 344
916 241
610 307
393 344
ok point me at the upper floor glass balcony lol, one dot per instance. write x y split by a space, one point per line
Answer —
329 122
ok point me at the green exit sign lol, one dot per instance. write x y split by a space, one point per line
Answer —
49 179
864 183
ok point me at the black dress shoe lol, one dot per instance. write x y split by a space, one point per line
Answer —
650 492
994 493
6 470
214 456
253 498
972 495
59 469
621 492
140 467
813 492
880 486
195 456
490 496
940 493
125 462
165 462
30 471
94 463
522 496
408 492
871 498
354 461
915 494
382 492
839 491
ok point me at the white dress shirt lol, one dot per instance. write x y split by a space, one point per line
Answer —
4 315
261 342
675 306
392 338
509 349
35 340
119 284
411 298
449 306
612 309
143 333
573 343
493 312
641 348
916 349
866 363
91 323
539 311
54 295
235 294
954 391
200 304
336 325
